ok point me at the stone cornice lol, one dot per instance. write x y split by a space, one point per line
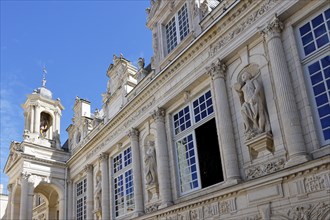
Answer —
33 158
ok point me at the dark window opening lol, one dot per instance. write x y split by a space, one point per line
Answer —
209 154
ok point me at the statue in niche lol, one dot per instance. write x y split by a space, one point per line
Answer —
44 124
253 108
98 193
150 165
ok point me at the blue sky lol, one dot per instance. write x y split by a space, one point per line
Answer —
76 41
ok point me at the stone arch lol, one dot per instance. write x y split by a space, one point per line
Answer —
46 124
53 194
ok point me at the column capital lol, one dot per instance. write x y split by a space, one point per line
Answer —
103 157
25 175
69 181
217 69
88 168
133 133
273 28
159 114
10 187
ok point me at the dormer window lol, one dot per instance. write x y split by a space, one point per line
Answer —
177 28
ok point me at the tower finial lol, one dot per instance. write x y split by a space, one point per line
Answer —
44 71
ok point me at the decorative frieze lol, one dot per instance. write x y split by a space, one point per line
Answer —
309 211
152 208
242 26
227 206
264 169
313 183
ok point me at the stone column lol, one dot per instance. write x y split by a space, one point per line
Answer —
24 203
138 194
37 119
32 119
105 186
70 200
289 114
163 169
61 205
89 199
225 130
10 194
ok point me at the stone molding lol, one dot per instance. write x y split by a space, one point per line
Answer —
217 69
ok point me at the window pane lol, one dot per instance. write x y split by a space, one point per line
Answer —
187 164
320 37
307 38
322 41
319 72
203 107
183 22
171 35
182 120
317 21
309 48
304 29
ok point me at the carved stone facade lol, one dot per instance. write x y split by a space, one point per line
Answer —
221 127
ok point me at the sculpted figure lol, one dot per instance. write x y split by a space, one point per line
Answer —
44 124
98 193
150 166
252 105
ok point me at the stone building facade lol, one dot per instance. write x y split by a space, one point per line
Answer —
231 120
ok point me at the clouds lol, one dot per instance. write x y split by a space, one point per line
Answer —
11 119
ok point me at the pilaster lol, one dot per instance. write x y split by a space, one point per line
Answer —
287 106
163 169
89 199
104 157
70 200
26 198
225 130
138 194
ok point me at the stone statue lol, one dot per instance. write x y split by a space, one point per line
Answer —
150 165
44 124
253 108
98 193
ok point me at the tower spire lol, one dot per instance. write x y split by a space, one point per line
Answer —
44 71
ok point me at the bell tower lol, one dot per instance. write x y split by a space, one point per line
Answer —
42 117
